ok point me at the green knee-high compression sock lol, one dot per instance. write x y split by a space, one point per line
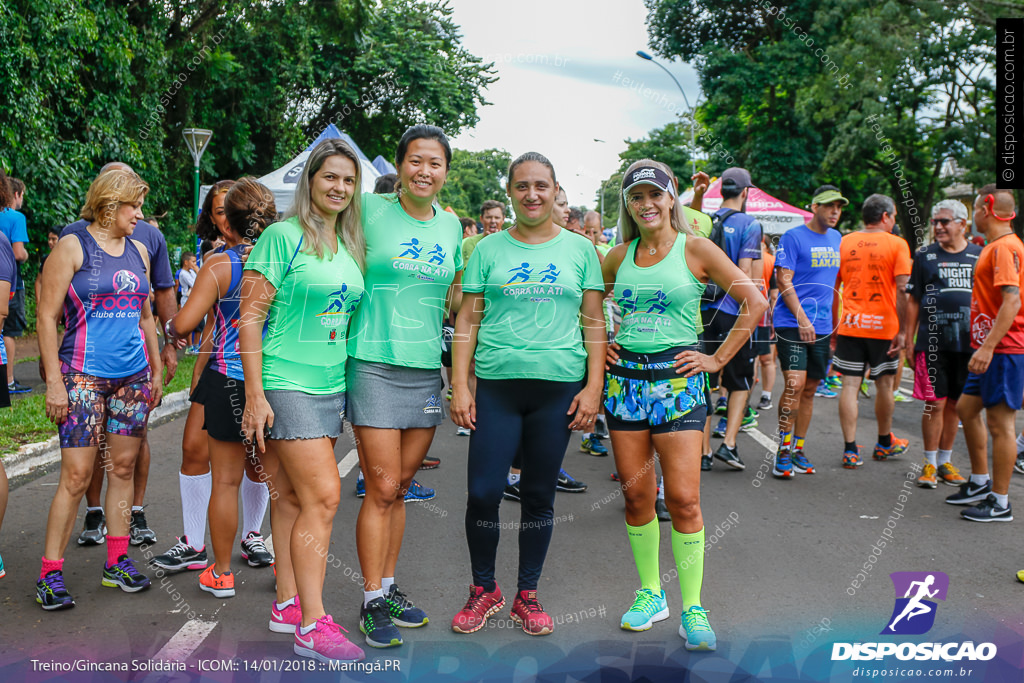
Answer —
645 540
688 550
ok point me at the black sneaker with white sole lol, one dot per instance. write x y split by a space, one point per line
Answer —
730 457
1018 466
140 532
254 551
180 557
511 491
988 510
970 493
94 531
707 462
568 484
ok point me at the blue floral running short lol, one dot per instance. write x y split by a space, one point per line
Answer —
643 392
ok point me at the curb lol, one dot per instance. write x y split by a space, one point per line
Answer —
34 457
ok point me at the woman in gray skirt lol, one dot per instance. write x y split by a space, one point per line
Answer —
413 273
303 277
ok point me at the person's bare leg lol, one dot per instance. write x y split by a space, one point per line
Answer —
1000 419
885 404
380 457
933 422
806 411
415 444
969 410
848 407
94 492
122 452
284 508
950 425
76 466
790 401
141 475
227 465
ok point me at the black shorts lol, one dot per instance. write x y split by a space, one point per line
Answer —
15 324
5 395
223 406
800 356
738 373
764 339
447 336
856 356
940 374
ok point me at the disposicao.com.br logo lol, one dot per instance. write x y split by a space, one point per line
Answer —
914 614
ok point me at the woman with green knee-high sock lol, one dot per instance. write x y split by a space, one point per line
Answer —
656 386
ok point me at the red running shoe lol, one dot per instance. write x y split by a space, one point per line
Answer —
528 613
479 607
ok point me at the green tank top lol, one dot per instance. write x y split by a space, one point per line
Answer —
660 304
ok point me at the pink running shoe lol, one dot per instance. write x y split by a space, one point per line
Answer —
479 607
528 613
285 620
327 643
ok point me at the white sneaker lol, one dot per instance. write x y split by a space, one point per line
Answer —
462 431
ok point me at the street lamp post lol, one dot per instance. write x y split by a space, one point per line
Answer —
196 139
693 143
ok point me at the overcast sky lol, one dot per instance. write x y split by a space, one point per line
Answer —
562 65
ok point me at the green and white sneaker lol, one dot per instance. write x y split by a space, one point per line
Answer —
696 630
647 609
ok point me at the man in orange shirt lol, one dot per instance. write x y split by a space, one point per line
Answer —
995 379
874 266
764 335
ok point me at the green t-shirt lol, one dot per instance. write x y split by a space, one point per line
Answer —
304 343
532 293
698 221
660 304
603 249
469 244
410 266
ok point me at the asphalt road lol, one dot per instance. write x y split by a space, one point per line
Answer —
780 580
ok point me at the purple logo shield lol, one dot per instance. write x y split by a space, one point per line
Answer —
915 608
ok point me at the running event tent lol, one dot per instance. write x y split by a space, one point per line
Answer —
282 182
775 215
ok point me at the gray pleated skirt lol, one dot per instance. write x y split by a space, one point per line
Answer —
393 397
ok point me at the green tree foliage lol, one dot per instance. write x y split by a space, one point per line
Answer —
474 178
873 97
89 81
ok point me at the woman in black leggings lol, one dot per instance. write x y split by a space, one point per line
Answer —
524 292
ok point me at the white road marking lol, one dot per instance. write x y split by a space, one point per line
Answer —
350 460
186 641
765 441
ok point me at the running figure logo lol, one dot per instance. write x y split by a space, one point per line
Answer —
550 274
125 281
914 613
436 255
432 405
523 271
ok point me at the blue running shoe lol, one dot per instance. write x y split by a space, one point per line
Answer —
834 382
783 466
696 630
51 593
403 612
360 487
375 623
125 576
801 464
647 609
722 405
823 391
719 430
593 446
418 492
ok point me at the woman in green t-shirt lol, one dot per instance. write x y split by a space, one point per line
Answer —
656 387
413 272
303 277
525 290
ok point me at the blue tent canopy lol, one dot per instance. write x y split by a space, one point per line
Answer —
383 165
331 132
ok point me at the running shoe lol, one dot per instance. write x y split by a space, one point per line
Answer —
51 593
403 612
287 619
375 623
601 428
529 614
360 487
834 382
647 608
899 397
970 493
593 446
696 630
512 491
707 462
823 391
749 420
722 405
801 465
1018 466
898 447
730 456
326 643
851 459
430 463
125 576
1020 576
222 586
765 403
988 510
661 510
479 607
418 492
783 468
568 484
17 387
180 557
463 431
927 479
254 551
94 531
864 389
949 474
3 572
140 532
448 395
719 431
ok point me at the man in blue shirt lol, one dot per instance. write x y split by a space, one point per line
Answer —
806 265
741 241
14 228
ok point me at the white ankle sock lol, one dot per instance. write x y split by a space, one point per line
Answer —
943 457
979 479
195 501
386 583
287 603
254 505
1020 442
930 457
371 595
303 630
1003 499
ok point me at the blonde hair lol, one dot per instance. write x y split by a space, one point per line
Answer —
630 231
109 190
348 227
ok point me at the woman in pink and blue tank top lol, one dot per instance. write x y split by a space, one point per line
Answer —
99 387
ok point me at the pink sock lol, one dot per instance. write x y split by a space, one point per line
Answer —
116 547
51 565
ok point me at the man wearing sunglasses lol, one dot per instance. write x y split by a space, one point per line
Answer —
939 310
